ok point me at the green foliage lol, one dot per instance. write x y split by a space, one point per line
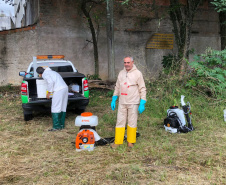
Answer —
110 93
125 2
166 92
170 64
220 5
93 77
7 87
209 73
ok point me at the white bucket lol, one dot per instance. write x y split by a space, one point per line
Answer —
41 88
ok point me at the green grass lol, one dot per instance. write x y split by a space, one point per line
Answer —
32 155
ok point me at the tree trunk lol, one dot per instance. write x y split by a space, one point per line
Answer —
86 13
110 40
182 19
185 55
222 18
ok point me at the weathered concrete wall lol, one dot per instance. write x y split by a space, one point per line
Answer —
133 35
3 60
62 29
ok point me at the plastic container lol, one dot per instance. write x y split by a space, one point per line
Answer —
74 88
89 147
86 118
180 114
42 88
170 129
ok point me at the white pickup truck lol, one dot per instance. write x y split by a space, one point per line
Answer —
32 90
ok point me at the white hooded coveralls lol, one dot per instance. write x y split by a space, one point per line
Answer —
130 88
59 88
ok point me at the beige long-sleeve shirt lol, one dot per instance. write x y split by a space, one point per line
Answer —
130 86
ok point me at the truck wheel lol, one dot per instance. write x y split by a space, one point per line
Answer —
27 117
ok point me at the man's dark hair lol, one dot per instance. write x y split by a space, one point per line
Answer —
40 70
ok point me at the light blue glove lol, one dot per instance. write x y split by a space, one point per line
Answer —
28 75
141 106
113 102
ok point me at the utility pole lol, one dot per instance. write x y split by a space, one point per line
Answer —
110 40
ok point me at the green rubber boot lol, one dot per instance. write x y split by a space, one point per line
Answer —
56 122
62 119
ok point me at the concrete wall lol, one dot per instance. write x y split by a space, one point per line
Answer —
62 29
3 61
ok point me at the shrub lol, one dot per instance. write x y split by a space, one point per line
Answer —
209 72
170 64
93 77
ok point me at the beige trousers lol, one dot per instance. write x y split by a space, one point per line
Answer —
127 112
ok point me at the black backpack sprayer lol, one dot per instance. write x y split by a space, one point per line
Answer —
176 118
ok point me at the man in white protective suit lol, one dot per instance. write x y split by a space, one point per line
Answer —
59 88
131 90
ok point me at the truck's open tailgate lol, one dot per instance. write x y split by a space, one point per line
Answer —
74 97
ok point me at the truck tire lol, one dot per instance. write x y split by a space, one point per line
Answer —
27 117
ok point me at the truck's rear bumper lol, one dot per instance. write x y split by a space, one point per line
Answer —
45 104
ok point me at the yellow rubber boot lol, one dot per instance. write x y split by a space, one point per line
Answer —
119 135
131 134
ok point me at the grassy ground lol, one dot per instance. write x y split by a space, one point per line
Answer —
32 155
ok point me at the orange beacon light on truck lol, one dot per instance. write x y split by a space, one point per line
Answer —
50 57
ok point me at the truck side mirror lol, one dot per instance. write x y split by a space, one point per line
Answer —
22 73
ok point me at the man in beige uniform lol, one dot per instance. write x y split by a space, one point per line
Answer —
131 90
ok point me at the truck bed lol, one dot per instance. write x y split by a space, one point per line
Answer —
69 78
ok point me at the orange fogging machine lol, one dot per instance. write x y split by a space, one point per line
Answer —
87 135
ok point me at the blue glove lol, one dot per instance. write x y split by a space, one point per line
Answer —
28 75
113 102
141 106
